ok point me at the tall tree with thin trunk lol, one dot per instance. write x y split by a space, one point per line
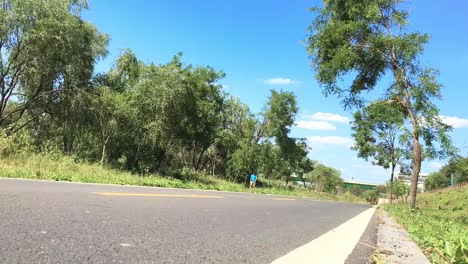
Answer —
109 108
380 136
367 41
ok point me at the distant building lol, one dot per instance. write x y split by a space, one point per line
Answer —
407 179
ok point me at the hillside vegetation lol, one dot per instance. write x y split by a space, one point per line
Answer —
439 224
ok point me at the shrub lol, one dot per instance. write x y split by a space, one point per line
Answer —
436 180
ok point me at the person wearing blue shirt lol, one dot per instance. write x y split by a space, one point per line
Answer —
253 180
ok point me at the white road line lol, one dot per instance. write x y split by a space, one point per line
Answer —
333 247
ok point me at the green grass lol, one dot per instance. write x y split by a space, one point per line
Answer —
59 168
439 224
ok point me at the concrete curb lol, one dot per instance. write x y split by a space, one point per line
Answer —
395 245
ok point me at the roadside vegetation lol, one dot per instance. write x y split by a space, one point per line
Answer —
439 224
174 119
366 53
60 168
143 118
456 168
169 124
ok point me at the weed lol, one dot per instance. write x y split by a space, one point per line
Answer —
439 225
44 167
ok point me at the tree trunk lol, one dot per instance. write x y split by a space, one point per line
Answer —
390 195
199 165
213 168
417 158
103 154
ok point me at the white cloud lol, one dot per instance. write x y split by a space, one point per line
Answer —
225 86
280 81
436 165
321 121
315 125
331 140
455 122
330 117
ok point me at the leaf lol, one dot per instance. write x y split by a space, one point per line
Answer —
449 249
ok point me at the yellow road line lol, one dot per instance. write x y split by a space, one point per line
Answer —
284 199
158 195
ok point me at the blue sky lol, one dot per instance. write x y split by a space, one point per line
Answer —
260 46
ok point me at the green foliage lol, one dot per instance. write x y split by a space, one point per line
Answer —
171 119
61 168
47 51
381 189
378 131
458 167
400 189
436 180
370 195
439 224
141 117
257 153
325 179
356 190
366 41
347 196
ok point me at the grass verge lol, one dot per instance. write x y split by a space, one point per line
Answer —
439 225
44 167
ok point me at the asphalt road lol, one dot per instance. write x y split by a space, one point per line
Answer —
53 222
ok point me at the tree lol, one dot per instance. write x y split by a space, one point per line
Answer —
143 117
436 180
237 129
458 167
368 42
179 111
278 120
401 189
325 178
381 189
109 109
370 195
305 166
378 129
46 52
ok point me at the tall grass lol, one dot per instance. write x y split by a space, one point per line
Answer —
60 168
439 224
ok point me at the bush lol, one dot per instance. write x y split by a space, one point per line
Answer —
436 180
50 167
400 189
325 179
370 195
14 144
355 190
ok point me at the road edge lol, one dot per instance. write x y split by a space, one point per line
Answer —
365 248
394 245
333 247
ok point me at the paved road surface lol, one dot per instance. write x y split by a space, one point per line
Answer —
52 222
